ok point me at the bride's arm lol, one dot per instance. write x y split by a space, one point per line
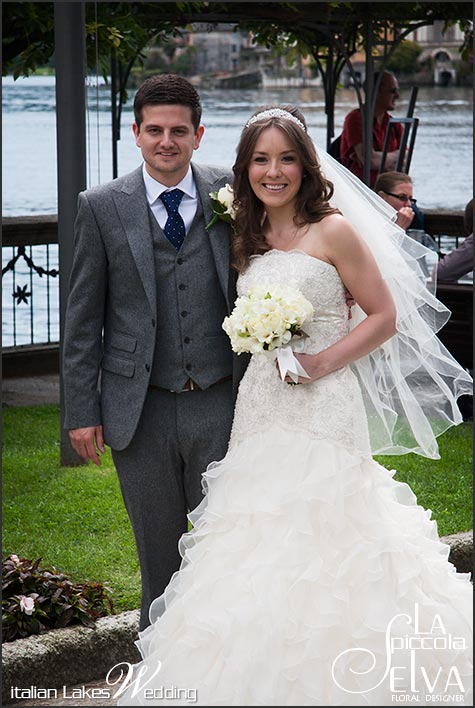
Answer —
347 251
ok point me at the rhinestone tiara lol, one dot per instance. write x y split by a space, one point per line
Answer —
275 113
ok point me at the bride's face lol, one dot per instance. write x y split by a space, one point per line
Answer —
275 171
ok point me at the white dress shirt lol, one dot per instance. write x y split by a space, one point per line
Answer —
188 204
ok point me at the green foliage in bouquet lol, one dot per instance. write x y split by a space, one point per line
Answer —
35 600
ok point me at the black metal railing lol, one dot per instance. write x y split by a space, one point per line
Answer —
30 280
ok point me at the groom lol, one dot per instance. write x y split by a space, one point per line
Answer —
147 367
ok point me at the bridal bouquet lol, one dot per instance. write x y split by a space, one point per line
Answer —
266 320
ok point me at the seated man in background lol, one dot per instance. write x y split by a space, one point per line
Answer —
450 268
458 262
351 145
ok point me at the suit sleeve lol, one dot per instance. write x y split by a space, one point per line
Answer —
82 345
457 263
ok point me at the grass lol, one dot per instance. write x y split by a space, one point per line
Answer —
445 485
74 518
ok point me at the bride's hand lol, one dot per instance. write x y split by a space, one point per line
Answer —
312 365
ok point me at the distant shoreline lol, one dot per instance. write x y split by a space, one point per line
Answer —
405 80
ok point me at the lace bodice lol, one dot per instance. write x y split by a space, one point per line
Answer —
331 407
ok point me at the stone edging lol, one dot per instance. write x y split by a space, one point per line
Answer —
461 550
70 656
77 655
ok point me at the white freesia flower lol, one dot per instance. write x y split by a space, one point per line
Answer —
14 558
27 605
266 318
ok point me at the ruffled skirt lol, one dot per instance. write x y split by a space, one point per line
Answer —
311 577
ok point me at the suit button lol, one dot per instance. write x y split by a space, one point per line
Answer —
188 367
182 286
187 340
147 367
183 313
179 261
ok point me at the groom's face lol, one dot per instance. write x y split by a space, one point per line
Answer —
167 139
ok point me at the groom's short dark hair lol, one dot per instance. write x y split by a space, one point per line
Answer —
167 89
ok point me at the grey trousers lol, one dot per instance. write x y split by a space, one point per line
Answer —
160 472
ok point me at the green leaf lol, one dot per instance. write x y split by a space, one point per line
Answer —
212 222
62 602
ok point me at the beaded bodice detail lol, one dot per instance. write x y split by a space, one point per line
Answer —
330 408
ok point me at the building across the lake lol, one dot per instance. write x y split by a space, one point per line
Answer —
442 48
438 60
221 51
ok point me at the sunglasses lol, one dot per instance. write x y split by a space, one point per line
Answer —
402 197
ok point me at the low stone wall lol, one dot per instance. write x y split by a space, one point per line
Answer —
70 656
461 550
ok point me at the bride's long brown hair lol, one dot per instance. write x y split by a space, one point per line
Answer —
312 201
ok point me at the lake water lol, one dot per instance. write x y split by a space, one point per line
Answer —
441 167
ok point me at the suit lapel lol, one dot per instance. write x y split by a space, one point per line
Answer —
219 233
133 210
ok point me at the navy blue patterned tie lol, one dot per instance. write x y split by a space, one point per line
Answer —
174 229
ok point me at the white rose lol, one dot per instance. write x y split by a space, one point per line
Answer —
226 198
27 605
254 346
276 322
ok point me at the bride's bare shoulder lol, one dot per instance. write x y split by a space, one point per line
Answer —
335 230
335 223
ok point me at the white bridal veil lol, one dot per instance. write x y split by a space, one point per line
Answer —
410 383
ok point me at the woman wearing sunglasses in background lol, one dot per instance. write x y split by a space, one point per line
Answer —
396 188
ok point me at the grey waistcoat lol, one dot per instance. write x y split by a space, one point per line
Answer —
190 310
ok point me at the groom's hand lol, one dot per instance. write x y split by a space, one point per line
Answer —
86 440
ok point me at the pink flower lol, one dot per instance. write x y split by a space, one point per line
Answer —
27 604
14 558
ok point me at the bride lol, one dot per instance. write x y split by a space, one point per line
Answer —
311 576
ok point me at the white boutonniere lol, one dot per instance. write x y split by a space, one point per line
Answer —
222 205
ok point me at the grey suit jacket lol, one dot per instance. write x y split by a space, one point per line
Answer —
111 314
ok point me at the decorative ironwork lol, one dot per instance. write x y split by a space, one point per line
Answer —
38 269
21 294
33 317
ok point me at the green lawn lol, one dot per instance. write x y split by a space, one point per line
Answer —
445 485
74 518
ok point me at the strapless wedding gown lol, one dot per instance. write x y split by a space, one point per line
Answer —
311 577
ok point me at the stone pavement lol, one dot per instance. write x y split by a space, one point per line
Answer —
30 390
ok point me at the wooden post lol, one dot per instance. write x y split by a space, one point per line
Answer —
71 157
